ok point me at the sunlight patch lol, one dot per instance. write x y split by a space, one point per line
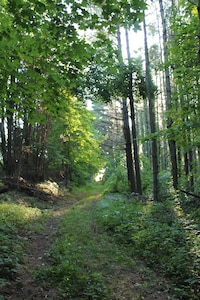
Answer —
99 176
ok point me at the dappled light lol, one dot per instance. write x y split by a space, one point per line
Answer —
100 175
49 187
91 236
18 215
99 150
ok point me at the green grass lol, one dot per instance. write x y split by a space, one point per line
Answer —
14 218
161 235
86 260
105 238
83 257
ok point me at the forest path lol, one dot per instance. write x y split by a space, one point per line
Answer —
37 243
129 283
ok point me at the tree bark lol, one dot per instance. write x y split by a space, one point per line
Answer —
198 9
127 133
10 160
152 119
3 142
171 143
129 157
134 131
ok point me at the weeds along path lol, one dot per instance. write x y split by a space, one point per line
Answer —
85 263
37 243
35 255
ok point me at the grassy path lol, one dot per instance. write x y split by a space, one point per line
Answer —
66 255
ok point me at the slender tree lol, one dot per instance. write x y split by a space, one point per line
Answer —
128 147
198 9
126 128
133 120
150 96
171 142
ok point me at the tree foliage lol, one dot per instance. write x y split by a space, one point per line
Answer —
45 50
73 146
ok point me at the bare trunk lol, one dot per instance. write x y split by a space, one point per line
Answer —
10 160
3 142
198 8
127 134
134 133
172 143
129 157
150 97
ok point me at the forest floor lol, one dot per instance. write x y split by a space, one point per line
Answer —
128 281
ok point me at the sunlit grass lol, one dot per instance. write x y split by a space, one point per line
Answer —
17 215
14 219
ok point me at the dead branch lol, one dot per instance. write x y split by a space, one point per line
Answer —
21 185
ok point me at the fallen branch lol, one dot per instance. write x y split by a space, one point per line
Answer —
21 185
190 194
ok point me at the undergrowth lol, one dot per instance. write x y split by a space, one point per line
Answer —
73 267
105 233
160 234
14 218
86 262
82 260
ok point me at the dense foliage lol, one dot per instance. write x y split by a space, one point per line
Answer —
46 51
55 56
161 234
14 218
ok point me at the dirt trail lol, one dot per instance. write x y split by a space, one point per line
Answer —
35 254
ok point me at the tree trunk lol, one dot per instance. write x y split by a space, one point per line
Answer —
198 8
3 142
191 178
129 157
171 143
151 99
127 133
10 161
134 133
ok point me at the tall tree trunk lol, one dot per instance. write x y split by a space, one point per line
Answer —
127 133
198 8
191 174
129 157
10 161
3 142
172 143
151 99
134 133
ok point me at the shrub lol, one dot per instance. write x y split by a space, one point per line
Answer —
12 218
116 179
10 251
156 235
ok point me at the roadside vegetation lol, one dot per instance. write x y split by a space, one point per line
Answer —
103 234
15 217
108 245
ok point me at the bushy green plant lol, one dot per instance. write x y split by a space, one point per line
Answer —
165 185
155 234
146 174
17 215
12 218
116 179
10 253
